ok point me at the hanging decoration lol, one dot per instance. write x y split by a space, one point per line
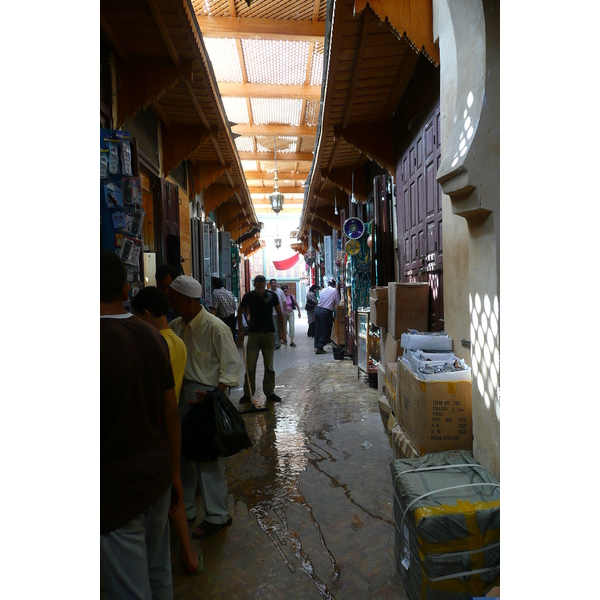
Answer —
352 198
353 228
352 247
288 263
335 201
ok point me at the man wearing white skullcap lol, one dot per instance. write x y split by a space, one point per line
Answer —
212 360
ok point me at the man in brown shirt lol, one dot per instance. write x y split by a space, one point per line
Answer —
140 439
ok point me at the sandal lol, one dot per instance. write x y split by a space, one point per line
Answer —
200 568
206 529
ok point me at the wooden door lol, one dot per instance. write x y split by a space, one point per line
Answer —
169 223
420 241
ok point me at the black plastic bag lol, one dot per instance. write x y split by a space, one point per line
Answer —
213 428
197 441
229 429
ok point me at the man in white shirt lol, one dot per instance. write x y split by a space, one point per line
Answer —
281 296
329 298
212 360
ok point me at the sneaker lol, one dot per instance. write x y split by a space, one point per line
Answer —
274 398
277 347
244 399
320 351
293 344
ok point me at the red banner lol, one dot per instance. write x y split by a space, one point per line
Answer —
288 263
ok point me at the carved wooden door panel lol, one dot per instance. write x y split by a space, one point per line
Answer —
420 241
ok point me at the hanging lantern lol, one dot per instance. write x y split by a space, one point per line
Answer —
277 242
276 197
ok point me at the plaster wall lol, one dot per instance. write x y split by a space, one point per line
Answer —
469 43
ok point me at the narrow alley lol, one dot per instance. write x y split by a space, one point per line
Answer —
311 500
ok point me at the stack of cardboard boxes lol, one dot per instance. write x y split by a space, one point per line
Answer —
421 412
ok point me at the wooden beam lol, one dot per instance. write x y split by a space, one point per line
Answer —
264 90
215 195
194 99
342 177
142 81
407 68
164 32
179 141
283 176
269 189
326 213
353 83
261 29
281 156
112 38
158 109
321 226
205 173
271 130
411 17
228 211
333 196
372 139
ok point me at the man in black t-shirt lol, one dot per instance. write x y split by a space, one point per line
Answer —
261 336
140 444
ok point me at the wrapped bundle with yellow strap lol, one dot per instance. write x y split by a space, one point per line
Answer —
447 526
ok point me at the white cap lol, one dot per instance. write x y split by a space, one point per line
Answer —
187 286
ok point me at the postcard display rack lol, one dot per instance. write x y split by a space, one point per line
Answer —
121 212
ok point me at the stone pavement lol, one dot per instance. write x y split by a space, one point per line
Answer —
311 500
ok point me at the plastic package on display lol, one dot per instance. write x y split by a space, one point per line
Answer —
447 526
426 340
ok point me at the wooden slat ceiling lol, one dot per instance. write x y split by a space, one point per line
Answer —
267 59
370 65
161 62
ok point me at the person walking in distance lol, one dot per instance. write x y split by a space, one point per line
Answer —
281 297
140 445
223 304
151 305
288 313
311 304
261 337
212 360
328 300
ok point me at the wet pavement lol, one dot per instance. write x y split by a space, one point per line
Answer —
311 500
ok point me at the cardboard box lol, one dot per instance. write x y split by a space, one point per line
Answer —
436 415
379 311
408 307
384 411
422 340
339 325
381 378
494 592
401 444
378 304
393 349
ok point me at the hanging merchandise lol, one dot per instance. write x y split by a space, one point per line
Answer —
354 228
126 156
103 163
352 247
359 271
121 212
113 157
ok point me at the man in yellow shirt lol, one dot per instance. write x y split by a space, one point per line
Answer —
151 305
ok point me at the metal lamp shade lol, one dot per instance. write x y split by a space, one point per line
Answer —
276 201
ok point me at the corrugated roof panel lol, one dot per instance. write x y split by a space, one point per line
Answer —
236 109
275 61
276 110
225 59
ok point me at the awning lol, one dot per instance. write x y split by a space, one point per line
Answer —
288 263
